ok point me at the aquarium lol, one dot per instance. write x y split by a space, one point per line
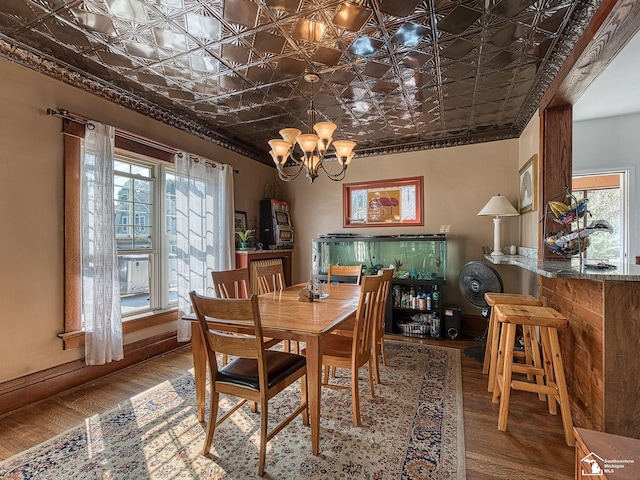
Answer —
421 257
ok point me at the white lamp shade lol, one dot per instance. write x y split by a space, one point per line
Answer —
498 206
290 134
325 129
343 148
307 142
280 147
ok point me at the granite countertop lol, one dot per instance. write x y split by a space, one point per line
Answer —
569 268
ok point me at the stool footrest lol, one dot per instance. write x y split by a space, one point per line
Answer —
533 387
529 370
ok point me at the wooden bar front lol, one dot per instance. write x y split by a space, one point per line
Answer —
601 349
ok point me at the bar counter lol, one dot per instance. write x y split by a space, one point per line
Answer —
569 268
601 346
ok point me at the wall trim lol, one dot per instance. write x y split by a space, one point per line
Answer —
39 386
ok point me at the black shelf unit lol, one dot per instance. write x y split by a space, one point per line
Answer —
395 314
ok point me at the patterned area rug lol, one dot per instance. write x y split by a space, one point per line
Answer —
412 429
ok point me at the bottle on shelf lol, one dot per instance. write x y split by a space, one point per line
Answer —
435 326
428 301
412 297
435 297
422 301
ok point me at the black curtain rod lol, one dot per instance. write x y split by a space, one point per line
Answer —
91 126
61 114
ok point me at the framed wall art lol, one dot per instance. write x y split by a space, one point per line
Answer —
240 221
527 200
384 203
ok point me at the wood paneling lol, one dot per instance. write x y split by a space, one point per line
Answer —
602 351
622 358
581 345
555 175
612 26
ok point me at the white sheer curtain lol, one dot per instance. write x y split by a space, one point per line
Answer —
204 217
100 284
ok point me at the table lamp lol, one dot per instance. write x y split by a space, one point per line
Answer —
498 207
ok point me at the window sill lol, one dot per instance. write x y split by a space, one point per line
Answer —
76 339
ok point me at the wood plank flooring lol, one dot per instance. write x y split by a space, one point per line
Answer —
532 448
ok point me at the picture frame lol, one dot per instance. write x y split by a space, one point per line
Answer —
239 223
528 186
385 203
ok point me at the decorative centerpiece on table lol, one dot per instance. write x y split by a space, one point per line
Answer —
244 236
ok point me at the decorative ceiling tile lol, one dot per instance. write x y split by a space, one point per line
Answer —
242 12
351 16
459 19
394 74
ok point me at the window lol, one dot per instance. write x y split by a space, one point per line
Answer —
145 213
145 227
606 202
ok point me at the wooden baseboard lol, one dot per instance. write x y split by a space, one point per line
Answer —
35 387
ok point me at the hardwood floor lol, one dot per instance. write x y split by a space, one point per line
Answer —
532 448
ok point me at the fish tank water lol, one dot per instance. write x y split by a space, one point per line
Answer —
412 256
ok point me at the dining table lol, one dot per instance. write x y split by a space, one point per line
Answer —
284 316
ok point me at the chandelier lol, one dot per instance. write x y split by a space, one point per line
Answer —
314 147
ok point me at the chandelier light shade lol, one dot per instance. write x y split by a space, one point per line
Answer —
498 207
314 147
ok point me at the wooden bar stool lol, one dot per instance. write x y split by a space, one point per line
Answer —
493 334
548 320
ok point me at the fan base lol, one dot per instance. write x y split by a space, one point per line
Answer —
475 353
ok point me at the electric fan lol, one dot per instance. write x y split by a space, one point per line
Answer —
476 279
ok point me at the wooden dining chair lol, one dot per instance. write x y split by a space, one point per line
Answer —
378 330
231 283
235 284
353 352
344 274
270 279
256 374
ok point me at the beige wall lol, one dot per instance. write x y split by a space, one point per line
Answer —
529 145
458 181
31 208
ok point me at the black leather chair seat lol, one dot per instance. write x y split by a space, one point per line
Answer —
244 371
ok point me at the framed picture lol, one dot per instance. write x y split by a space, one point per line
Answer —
527 200
385 203
240 221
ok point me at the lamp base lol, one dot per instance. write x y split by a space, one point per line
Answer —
497 253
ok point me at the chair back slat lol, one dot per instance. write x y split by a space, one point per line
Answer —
270 278
231 283
365 317
381 303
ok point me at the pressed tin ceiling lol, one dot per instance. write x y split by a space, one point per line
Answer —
396 75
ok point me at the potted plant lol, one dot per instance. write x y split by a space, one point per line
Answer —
244 238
